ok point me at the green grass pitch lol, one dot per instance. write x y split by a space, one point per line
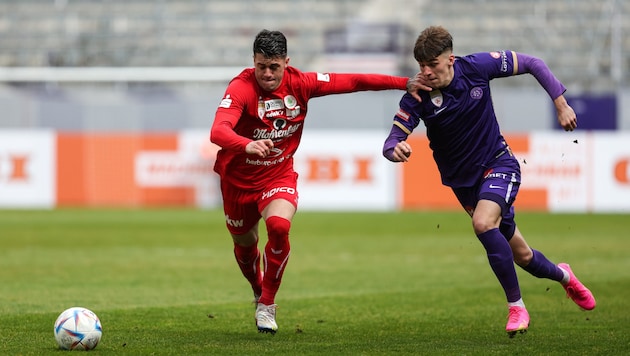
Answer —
164 282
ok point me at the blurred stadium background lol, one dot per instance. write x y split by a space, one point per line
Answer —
160 67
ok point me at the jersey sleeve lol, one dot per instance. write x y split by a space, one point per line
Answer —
406 120
505 63
538 68
227 116
490 65
408 117
339 83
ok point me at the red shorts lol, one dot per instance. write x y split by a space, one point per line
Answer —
243 207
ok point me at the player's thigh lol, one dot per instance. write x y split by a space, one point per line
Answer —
487 216
499 188
241 212
279 207
280 198
490 202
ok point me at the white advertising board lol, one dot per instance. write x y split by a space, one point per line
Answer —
345 170
610 191
27 168
558 163
191 165
580 171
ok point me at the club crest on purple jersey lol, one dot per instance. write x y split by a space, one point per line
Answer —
476 93
436 97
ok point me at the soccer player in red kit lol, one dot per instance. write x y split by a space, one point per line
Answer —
258 126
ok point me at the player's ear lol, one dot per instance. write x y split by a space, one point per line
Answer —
286 61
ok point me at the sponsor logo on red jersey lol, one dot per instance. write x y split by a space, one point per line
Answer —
226 102
274 113
233 222
323 77
274 104
274 191
260 134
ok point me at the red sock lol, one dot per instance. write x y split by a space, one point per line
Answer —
276 257
248 259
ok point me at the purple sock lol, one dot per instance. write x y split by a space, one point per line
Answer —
502 262
541 267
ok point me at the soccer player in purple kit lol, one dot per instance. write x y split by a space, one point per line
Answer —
475 160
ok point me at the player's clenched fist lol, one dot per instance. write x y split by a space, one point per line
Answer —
402 151
259 147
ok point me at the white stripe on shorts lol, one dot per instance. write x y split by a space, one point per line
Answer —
509 188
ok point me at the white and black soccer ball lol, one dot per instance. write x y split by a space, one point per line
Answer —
78 328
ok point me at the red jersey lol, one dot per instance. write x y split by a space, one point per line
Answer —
249 113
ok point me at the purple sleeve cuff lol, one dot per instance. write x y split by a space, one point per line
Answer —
395 135
540 71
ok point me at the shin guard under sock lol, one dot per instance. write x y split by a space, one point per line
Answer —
502 262
275 258
541 267
248 259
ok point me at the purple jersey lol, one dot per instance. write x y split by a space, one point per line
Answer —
461 124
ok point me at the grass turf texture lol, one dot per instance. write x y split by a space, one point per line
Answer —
164 282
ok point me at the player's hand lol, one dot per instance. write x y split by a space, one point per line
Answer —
418 82
260 148
402 151
566 115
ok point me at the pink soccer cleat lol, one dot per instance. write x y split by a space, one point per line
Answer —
518 321
577 291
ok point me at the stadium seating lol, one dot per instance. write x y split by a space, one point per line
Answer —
574 36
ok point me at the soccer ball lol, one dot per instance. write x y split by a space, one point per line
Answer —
78 329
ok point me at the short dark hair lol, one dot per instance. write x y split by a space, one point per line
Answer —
271 44
432 42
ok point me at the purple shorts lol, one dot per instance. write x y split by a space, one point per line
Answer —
500 183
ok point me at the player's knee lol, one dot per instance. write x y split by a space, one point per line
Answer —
278 228
246 240
481 225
